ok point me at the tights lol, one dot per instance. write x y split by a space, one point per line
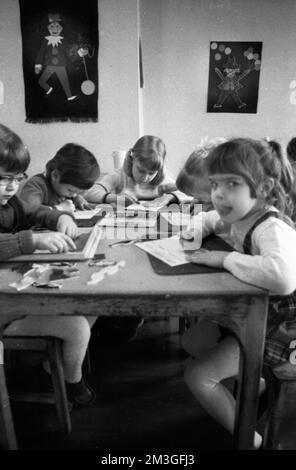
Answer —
204 375
73 330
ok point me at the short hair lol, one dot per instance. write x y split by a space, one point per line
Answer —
14 155
291 149
253 160
77 166
150 151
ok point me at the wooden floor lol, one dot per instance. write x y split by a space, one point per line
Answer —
142 402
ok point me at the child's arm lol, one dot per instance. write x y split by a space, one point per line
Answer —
52 219
272 266
200 227
25 242
105 190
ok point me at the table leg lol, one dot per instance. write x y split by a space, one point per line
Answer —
250 372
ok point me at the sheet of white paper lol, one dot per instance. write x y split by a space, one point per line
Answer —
87 214
149 206
112 220
168 250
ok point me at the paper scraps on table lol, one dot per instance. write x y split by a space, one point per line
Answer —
108 270
47 275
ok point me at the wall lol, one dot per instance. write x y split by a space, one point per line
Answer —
118 126
175 42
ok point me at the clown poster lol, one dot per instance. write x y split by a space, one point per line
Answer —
60 60
234 77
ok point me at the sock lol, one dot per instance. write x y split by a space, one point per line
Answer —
257 440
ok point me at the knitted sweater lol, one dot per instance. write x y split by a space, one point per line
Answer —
38 191
16 219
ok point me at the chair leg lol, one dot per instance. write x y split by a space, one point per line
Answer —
57 372
7 436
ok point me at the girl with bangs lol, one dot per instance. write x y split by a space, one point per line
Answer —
251 210
142 176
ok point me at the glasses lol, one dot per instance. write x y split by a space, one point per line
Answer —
5 180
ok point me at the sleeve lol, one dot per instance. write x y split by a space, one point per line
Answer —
201 225
43 216
15 244
272 267
110 183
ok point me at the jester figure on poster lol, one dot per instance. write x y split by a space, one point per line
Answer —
52 58
230 82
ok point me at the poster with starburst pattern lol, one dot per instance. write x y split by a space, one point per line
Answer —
234 72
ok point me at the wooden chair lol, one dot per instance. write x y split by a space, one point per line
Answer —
8 439
52 347
280 429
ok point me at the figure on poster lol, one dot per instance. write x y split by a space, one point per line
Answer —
230 84
52 58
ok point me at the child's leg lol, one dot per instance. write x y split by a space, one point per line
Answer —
74 331
203 377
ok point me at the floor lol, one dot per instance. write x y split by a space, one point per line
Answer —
142 402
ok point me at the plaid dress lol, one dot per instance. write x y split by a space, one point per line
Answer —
281 322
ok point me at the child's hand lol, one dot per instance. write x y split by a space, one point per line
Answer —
66 205
190 241
82 204
53 241
213 258
166 188
67 226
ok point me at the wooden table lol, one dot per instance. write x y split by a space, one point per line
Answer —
136 290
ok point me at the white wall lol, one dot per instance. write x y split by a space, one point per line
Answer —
175 42
118 126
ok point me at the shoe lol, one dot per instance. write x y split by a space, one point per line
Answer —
71 98
80 393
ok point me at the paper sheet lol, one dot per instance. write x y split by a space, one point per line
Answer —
168 250
112 220
149 206
87 214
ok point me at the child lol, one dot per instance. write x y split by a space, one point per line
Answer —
17 238
193 178
143 176
250 205
69 174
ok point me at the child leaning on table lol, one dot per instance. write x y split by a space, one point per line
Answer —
17 238
142 176
250 209
68 175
